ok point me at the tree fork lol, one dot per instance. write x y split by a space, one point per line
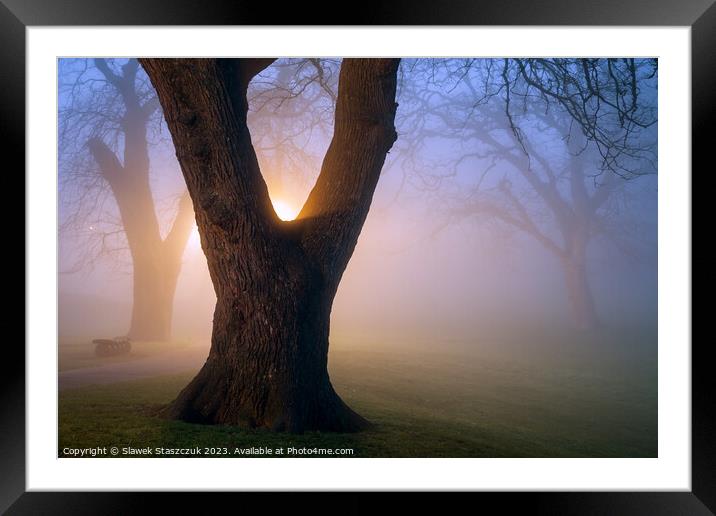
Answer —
275 281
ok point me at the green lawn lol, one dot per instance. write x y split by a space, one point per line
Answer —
564 395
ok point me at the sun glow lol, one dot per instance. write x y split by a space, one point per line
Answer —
284 210
194 238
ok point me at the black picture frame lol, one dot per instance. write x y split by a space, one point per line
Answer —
16 15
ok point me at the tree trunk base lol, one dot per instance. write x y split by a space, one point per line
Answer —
214 397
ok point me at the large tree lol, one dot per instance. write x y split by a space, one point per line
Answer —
107 110
275 281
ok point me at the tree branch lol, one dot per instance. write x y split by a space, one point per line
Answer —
109 165
204 103
364 132
111 77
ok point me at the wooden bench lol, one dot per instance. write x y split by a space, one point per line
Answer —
112 347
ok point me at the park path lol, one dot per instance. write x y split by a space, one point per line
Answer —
189 359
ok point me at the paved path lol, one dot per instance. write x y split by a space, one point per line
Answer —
189 359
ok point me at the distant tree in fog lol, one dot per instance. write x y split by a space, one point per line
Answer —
545 147
109 118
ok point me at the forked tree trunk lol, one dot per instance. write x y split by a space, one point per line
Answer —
275 281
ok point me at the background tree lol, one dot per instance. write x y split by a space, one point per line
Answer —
545 147
109 118
275 281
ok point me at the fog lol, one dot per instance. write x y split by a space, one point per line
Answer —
433 266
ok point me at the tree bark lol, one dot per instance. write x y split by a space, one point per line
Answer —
275 281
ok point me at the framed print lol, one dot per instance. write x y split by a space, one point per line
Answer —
430 251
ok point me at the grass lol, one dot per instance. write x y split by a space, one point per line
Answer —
78 355
560 395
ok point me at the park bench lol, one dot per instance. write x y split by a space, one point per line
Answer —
112 347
